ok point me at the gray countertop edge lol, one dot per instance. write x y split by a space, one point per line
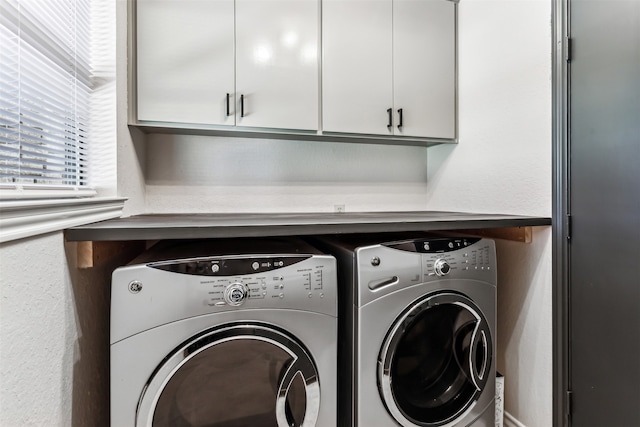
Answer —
201 226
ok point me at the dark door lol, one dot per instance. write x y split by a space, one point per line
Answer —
604 202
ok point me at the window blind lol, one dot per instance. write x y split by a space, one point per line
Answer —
45 89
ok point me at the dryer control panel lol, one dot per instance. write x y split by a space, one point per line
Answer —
166 291
236 281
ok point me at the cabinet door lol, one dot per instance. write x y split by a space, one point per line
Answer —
424 52
357 66
277 45
185 60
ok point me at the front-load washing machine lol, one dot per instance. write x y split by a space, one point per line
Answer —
224 334
419 328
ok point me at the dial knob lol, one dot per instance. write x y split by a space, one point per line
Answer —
235 294
441 267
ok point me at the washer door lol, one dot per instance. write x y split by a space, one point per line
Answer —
435 361
237 375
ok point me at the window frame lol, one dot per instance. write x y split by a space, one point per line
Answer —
32 209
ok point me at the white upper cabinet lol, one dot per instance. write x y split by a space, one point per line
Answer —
277 54
424 74
383 67
389 67
357 84
250 63
185 61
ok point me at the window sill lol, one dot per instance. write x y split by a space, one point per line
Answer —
21 219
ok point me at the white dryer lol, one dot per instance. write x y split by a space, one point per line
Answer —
225 334
418 327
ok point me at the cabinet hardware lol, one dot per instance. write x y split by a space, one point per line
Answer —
241 105
568 49
228 105
568 403
399 118
390 114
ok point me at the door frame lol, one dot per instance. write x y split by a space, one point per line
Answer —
561 212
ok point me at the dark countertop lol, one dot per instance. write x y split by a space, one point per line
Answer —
190 226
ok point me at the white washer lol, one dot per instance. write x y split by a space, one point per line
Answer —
225 334
418 323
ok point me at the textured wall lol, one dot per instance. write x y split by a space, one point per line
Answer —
54 336
38 333
503 164
503 161
525 328
210 174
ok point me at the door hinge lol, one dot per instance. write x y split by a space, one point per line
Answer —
568 49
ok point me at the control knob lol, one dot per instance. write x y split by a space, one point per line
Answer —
441 267
235 294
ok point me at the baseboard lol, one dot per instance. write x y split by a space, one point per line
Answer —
511 421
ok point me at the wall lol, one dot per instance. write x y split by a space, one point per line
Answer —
209 174
525 328
37 333
503 164
54 336
503 160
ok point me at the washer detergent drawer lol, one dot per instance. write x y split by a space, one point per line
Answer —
382 270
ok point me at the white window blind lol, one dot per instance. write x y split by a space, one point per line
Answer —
45 94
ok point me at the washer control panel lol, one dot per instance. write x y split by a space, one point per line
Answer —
303 282
301 286
386 267
456 257
160 292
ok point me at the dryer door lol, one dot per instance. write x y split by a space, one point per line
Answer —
435 361
236 375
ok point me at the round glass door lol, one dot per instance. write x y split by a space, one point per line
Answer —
435 361
239 375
